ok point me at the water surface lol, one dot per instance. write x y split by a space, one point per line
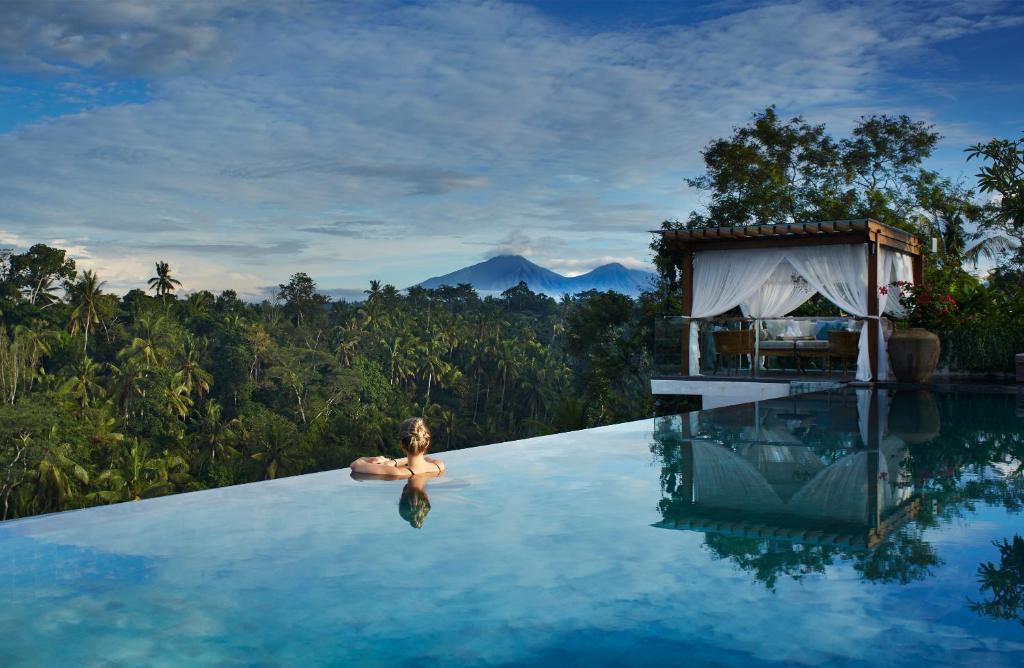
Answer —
837 528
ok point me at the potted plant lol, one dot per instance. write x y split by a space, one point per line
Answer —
914 349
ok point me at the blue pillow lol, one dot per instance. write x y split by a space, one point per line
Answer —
829 326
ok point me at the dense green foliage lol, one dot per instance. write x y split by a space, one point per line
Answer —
108 399
776 171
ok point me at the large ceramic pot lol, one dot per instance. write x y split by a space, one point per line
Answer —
913 353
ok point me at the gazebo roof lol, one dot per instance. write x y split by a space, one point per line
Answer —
826 232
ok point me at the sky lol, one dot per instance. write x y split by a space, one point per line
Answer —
242 141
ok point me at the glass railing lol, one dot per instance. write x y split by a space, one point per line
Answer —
729 346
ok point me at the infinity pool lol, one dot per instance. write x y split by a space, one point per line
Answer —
837 528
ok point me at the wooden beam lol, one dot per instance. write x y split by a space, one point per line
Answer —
686 282
917 262
740 243
872 289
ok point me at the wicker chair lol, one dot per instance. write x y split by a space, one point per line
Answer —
844 345
735 342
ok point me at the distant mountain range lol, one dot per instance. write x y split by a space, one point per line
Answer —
505 271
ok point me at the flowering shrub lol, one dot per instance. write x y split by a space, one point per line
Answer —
927 309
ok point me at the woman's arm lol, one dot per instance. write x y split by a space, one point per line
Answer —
436 462
380 466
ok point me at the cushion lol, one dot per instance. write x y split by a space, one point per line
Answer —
827 326
812 345
776 345
775 328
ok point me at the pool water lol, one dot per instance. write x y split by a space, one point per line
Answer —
835 528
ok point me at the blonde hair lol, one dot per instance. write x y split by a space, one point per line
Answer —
413 506
414 436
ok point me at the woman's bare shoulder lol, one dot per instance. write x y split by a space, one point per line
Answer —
379 466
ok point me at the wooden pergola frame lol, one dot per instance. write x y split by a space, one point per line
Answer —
862 231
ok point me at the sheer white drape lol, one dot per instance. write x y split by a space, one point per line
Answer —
721 280
724 279
901 268
764 283
783 292
840 273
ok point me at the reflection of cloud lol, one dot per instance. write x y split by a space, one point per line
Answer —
578 518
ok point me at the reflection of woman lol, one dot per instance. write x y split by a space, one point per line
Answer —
414 504
414 438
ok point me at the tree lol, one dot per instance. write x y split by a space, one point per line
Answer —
163 283
300 297
84 296
36 271
769 171
276 442
772 171
139 475
1003 178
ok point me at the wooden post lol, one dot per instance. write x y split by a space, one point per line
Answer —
874 455
872 322
917 262
686 282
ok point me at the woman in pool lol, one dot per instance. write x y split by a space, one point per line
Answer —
414 438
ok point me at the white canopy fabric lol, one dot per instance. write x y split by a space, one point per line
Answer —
765 283
783 292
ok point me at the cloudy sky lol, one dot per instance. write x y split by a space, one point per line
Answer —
244 141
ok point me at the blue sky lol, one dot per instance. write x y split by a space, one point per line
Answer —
244 141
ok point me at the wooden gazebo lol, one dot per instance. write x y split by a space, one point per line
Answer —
689 244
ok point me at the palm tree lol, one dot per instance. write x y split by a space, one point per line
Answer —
214 435
58 477
82 384
150 342
124 386
139 476
163 283
193 376
84 298
43 292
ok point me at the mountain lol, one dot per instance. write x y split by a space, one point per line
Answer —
505 271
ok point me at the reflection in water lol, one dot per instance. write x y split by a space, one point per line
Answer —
1003 584
414 504
789 488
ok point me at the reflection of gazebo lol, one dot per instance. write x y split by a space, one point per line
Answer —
769 483
769 270
849 503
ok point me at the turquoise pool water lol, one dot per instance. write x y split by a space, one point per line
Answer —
827 529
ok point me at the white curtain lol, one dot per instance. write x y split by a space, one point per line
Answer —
760 280
840 273
783 292
900 268
721 281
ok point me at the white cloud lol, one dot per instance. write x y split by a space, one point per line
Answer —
319 137
577 266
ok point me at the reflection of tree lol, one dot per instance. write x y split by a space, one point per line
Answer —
903 557
1004 583
769 560
973 458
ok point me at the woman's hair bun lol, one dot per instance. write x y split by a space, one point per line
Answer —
414 435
